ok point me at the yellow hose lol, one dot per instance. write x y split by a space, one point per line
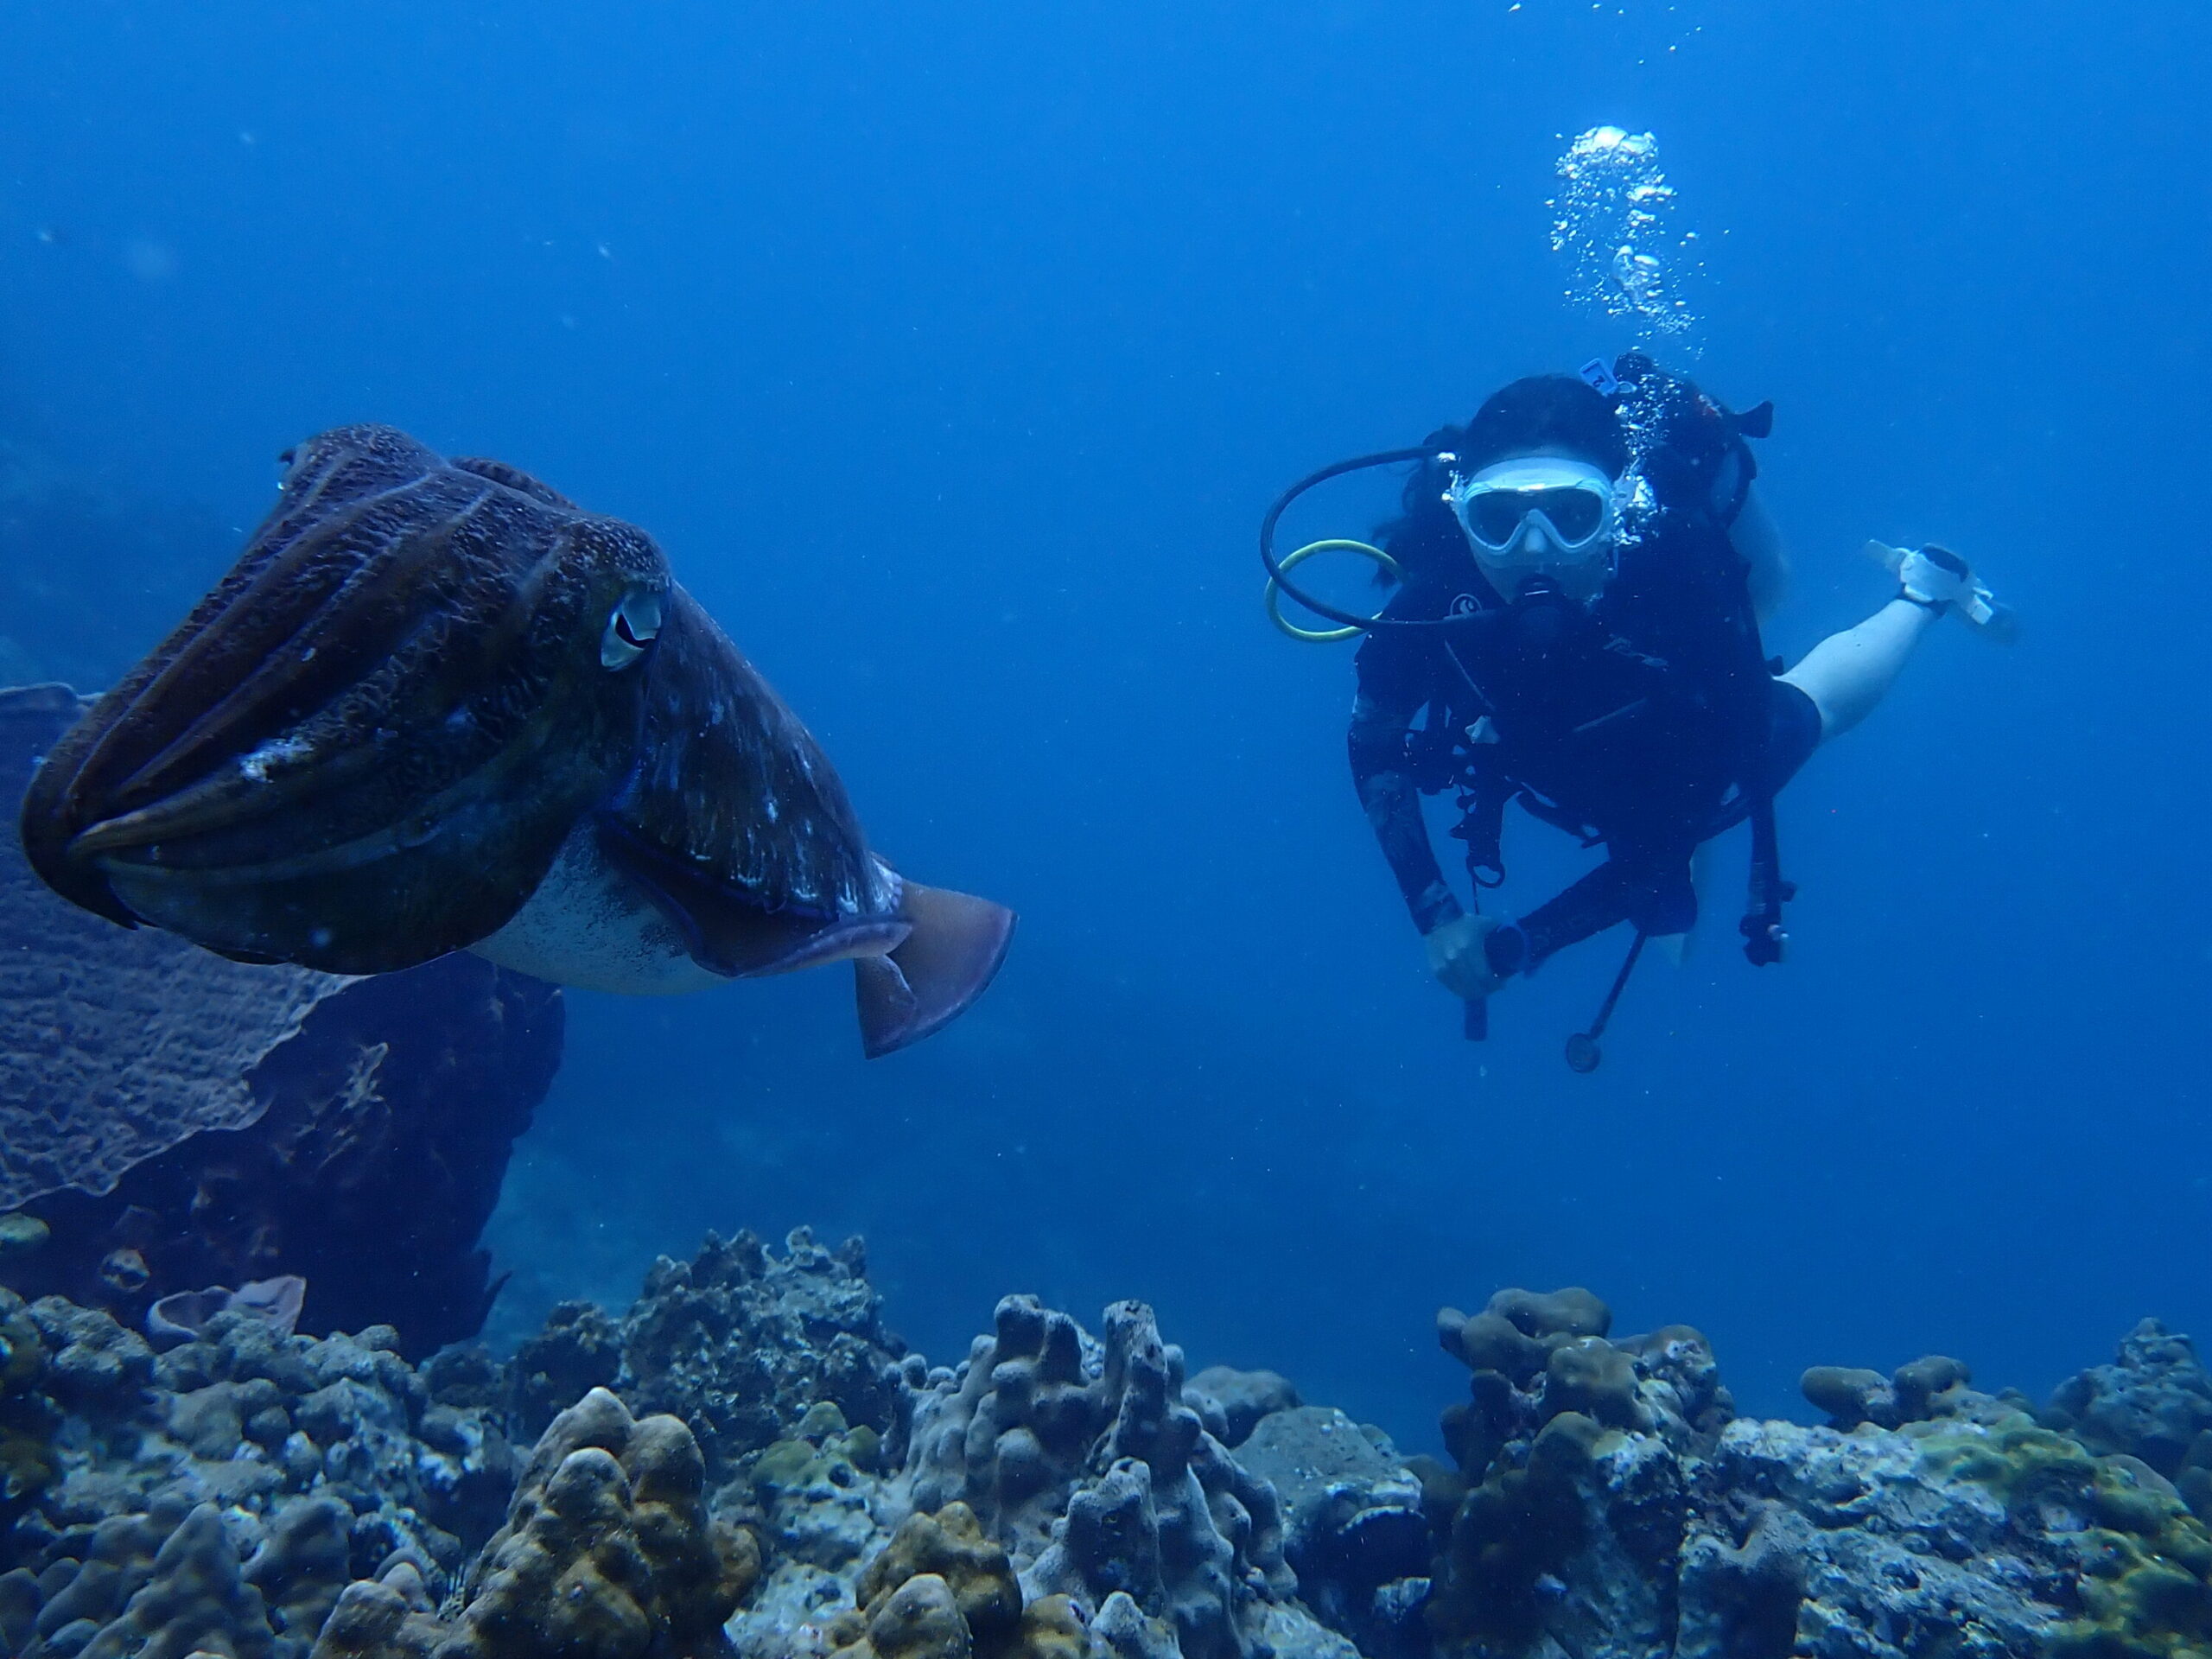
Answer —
1292 561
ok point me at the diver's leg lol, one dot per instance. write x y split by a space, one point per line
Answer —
1847 673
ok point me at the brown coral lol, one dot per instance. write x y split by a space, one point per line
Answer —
608 1551
942 1589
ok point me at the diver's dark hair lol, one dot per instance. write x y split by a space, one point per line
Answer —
1545 411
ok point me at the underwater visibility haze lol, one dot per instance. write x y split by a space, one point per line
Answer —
951 356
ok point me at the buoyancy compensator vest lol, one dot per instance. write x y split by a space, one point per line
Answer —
1642 720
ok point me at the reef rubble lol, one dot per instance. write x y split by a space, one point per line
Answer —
748 1464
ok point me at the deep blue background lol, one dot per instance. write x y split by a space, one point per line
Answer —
952 350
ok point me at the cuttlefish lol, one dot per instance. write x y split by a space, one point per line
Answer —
437 706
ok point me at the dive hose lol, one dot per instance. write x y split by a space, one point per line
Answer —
1278 567
1389 567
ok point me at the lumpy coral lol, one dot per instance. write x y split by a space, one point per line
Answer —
1932 1386
940 1589
609 1551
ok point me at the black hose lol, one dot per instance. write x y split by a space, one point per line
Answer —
1306 601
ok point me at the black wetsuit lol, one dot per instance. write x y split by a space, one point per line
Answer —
1645 722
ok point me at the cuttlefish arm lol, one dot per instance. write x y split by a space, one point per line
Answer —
735 826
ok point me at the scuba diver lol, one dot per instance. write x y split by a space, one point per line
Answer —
1583 570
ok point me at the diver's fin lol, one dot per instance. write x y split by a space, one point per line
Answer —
956 946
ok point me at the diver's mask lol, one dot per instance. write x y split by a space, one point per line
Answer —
1541 518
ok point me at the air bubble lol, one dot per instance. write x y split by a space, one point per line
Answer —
1612 220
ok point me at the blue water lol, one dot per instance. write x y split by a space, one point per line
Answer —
951 353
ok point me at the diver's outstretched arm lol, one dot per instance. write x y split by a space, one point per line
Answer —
1847 673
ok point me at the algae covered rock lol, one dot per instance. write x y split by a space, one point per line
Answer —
1355 1530
1932 1386
2154 1402
814 1490
1939 1521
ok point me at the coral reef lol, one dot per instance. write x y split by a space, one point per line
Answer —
1080 1471
261 1495
1618 1508
1084 1461
253 1493
740 1341
330 1459
173 1121
2153 1403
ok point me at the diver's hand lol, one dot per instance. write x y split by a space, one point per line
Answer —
1938 580
1458 958
1936 576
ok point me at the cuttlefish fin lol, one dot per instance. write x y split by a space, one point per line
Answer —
943 964
725 931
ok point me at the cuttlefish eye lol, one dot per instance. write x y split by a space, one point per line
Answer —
630 628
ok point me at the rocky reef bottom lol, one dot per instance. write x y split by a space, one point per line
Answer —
747 1465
